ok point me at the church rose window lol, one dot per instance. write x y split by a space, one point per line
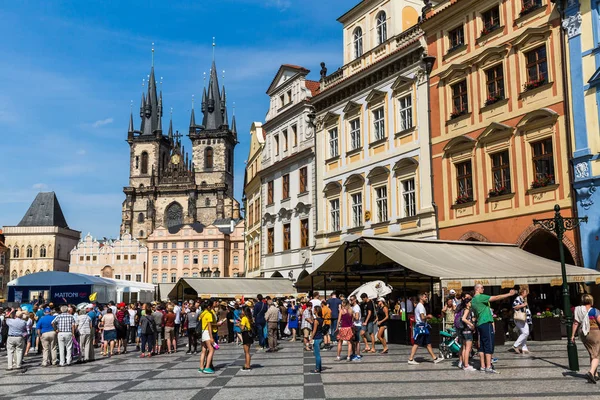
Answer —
174 215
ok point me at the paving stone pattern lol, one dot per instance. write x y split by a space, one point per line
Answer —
286 375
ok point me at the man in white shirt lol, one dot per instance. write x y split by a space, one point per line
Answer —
316 301
421 334
407 306
357 322
177 311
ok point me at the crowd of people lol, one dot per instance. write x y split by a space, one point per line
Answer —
68 334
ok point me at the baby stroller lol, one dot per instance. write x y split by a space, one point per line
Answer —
449 344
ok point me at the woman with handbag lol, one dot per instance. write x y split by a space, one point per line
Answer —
292 311
522 318
587 323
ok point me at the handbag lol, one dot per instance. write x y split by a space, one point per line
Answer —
520 315
287 331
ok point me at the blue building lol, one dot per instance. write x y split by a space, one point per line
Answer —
581 22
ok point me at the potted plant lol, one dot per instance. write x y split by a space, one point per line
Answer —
498 191
529 6
500 331
546 326
457 113
464 198
493 98
437 325
534 83
489 29
542 181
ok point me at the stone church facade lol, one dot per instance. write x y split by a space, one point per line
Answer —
167 188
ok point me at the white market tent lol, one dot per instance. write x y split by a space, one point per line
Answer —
459 263
229 288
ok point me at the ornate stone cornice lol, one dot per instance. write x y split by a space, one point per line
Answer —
572 25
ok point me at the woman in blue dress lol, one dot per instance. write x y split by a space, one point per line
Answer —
237 330
292 309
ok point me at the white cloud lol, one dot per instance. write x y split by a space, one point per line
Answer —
40 186
102 122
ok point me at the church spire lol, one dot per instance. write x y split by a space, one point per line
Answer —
150 110
233 125
213 116
193 118
171 124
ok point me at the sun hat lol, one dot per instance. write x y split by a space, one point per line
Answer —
381 299
232 304
452 291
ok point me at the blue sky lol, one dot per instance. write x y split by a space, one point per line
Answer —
70 69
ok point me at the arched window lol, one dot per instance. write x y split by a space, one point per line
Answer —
141 234
207 202
43 251
16 252
208 157
174 215
13 275
381 25
358 42
141 217
144 163
29 252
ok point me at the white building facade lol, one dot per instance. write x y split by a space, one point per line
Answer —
287 176
372 131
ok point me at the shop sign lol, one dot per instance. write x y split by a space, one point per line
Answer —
556 282
578 278
455 285
509 283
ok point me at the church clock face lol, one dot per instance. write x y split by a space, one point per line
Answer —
175 159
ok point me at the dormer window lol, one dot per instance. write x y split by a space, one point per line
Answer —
358 42
381 24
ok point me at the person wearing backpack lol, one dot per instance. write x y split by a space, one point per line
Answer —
148 327
449 313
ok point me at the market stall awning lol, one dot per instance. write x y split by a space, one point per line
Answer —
452 262
232 287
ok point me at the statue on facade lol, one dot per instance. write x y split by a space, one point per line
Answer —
192 205
150 211
323 71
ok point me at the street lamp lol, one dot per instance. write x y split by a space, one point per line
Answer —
559 226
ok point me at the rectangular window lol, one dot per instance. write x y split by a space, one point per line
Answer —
355 134
186 259
270 192
537 67
235 245
215 260
155 260
125 257
294 135
186 245
195 245
133 257
286 237
406 117
87 258
543 162
286 186
303 179
285 140
195 260
381 203
215 243
464 182
117 276
186 274
357 210
118 257
501 173
530 5
138 277
165 245
456 37
270 240
173 259
155 245
276 138
236 259
334 211
127 277
379 124
460 101
155 278
408 196
165 259
173 278
256 211
80 258
282 100
205 244
94 258
250 215
194 274
491 20
304 233
164 277
205 259
289 96
333 143
495 84
173 245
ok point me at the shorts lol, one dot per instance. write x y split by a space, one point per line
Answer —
158 336
169 333
466 337
357 330
305 333
369 328
206 336
110 335
423 340
246 339
486 338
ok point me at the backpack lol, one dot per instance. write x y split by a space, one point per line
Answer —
458 322
150 326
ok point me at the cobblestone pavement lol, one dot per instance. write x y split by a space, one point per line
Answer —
286 375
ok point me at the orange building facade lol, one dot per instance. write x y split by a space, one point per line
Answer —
498 134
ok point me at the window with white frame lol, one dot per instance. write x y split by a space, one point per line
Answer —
173 278
333 143
194 274
406 112
117 276
379 123
358 42
127 277
215 260
164 277
334 210
408 197
138 277
381 26
155 260
381 203
173 259
356 209
195 259
355 134
155 278
205 259
186 259
165 259
236 259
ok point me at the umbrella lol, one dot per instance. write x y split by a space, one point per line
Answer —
373 289
27 307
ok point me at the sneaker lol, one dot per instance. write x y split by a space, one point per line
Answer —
356 358
494 360
460 365
188 352
200 371
359 357
482 370
491 371
338 358
348 359
438 360
208 371
413 362
216 346
142 355
469 368
246 369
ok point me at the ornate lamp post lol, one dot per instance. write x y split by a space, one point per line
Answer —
559 226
